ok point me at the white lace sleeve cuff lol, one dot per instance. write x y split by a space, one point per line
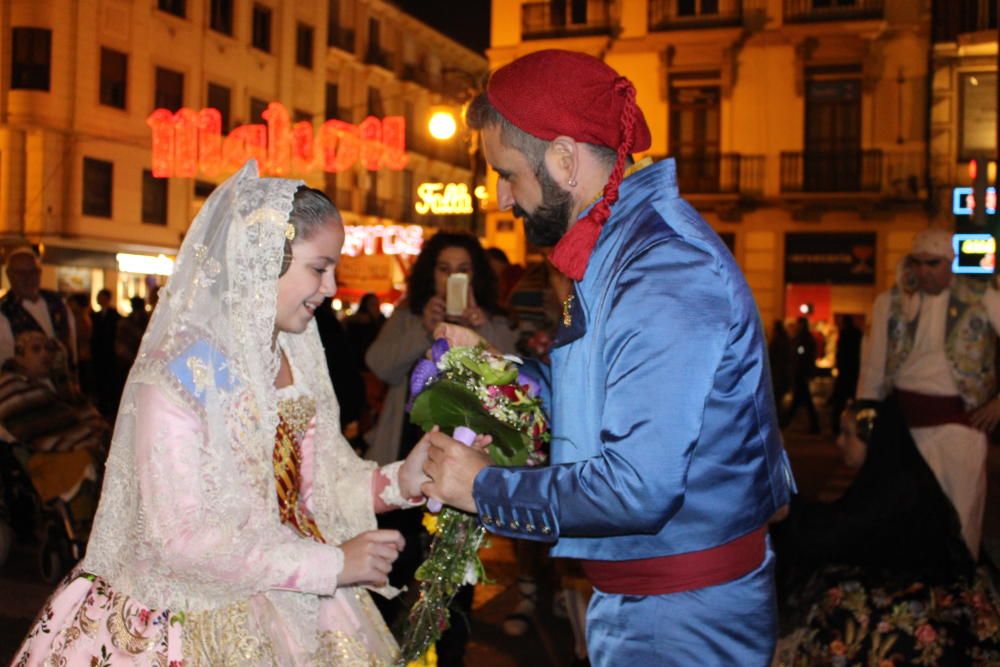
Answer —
391 494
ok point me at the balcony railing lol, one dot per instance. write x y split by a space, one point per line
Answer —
538 20
341 38
904 175
680 14
833 171
832 10
416 74
379 57
951 19
720 174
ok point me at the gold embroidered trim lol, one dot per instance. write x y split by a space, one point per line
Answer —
121 634
225 637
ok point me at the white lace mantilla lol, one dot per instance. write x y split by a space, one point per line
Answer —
188 519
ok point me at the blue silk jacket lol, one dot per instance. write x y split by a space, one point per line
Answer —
665 439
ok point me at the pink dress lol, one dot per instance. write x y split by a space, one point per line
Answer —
87 621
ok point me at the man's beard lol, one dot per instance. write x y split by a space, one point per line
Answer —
548 222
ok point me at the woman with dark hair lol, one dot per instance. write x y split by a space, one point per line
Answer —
882 575
403 340
407 335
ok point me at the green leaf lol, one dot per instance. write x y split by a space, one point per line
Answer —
489 374
449 405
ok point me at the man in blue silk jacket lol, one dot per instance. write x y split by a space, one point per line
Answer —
667 461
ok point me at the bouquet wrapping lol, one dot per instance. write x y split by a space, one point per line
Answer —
466 391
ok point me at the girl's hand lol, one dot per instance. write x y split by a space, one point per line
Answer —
411 473
368 558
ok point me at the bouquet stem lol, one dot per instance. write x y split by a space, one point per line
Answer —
454 551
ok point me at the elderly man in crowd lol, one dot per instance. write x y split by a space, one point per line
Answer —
27 307
933 342
667 458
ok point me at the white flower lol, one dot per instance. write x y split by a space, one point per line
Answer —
471 575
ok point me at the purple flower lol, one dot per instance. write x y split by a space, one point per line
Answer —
438 349
531 384
423 372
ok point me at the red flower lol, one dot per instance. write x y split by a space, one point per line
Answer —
509 390
144 616
838 647
925 635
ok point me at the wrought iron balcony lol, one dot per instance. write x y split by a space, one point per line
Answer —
546 19
379 57
832 171
416 74
341 38
800 11
720 174
682 14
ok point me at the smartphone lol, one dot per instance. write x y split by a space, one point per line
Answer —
456 295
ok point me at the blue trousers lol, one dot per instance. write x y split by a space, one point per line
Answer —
729 625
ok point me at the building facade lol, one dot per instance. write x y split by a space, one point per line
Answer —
963 109
79 82
799 127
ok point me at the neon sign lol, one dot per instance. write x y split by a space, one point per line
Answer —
974 253
190 142
964 202
394 239
441 199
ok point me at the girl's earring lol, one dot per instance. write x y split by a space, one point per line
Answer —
571 182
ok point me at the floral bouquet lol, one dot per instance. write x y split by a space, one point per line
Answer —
469 391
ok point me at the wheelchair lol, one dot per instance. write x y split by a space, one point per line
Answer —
59 527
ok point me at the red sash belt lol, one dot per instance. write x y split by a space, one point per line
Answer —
680 572
922 410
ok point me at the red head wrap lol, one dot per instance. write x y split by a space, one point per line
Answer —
563 93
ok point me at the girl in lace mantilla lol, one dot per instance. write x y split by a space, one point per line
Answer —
236 525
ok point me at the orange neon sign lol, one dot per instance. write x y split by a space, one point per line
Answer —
188 143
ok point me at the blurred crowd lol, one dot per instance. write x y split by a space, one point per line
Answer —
909 415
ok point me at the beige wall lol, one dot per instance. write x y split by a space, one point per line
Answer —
762 65
44 136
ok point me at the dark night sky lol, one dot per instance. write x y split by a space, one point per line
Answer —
465 21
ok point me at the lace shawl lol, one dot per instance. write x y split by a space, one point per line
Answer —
209 534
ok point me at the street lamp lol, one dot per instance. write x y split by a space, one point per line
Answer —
442 124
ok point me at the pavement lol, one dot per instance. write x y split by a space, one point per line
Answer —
549 642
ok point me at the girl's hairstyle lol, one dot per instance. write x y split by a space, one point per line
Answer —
420 285
311 209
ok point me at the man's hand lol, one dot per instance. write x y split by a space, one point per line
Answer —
987 417
368 557
452 468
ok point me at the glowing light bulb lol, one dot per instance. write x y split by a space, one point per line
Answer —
442 125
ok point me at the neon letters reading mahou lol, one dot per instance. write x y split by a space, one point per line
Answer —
187 143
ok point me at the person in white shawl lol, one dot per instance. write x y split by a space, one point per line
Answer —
236 525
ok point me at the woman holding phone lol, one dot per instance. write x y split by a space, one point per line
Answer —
434 290
407 335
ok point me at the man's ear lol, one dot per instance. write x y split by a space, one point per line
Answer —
563 160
